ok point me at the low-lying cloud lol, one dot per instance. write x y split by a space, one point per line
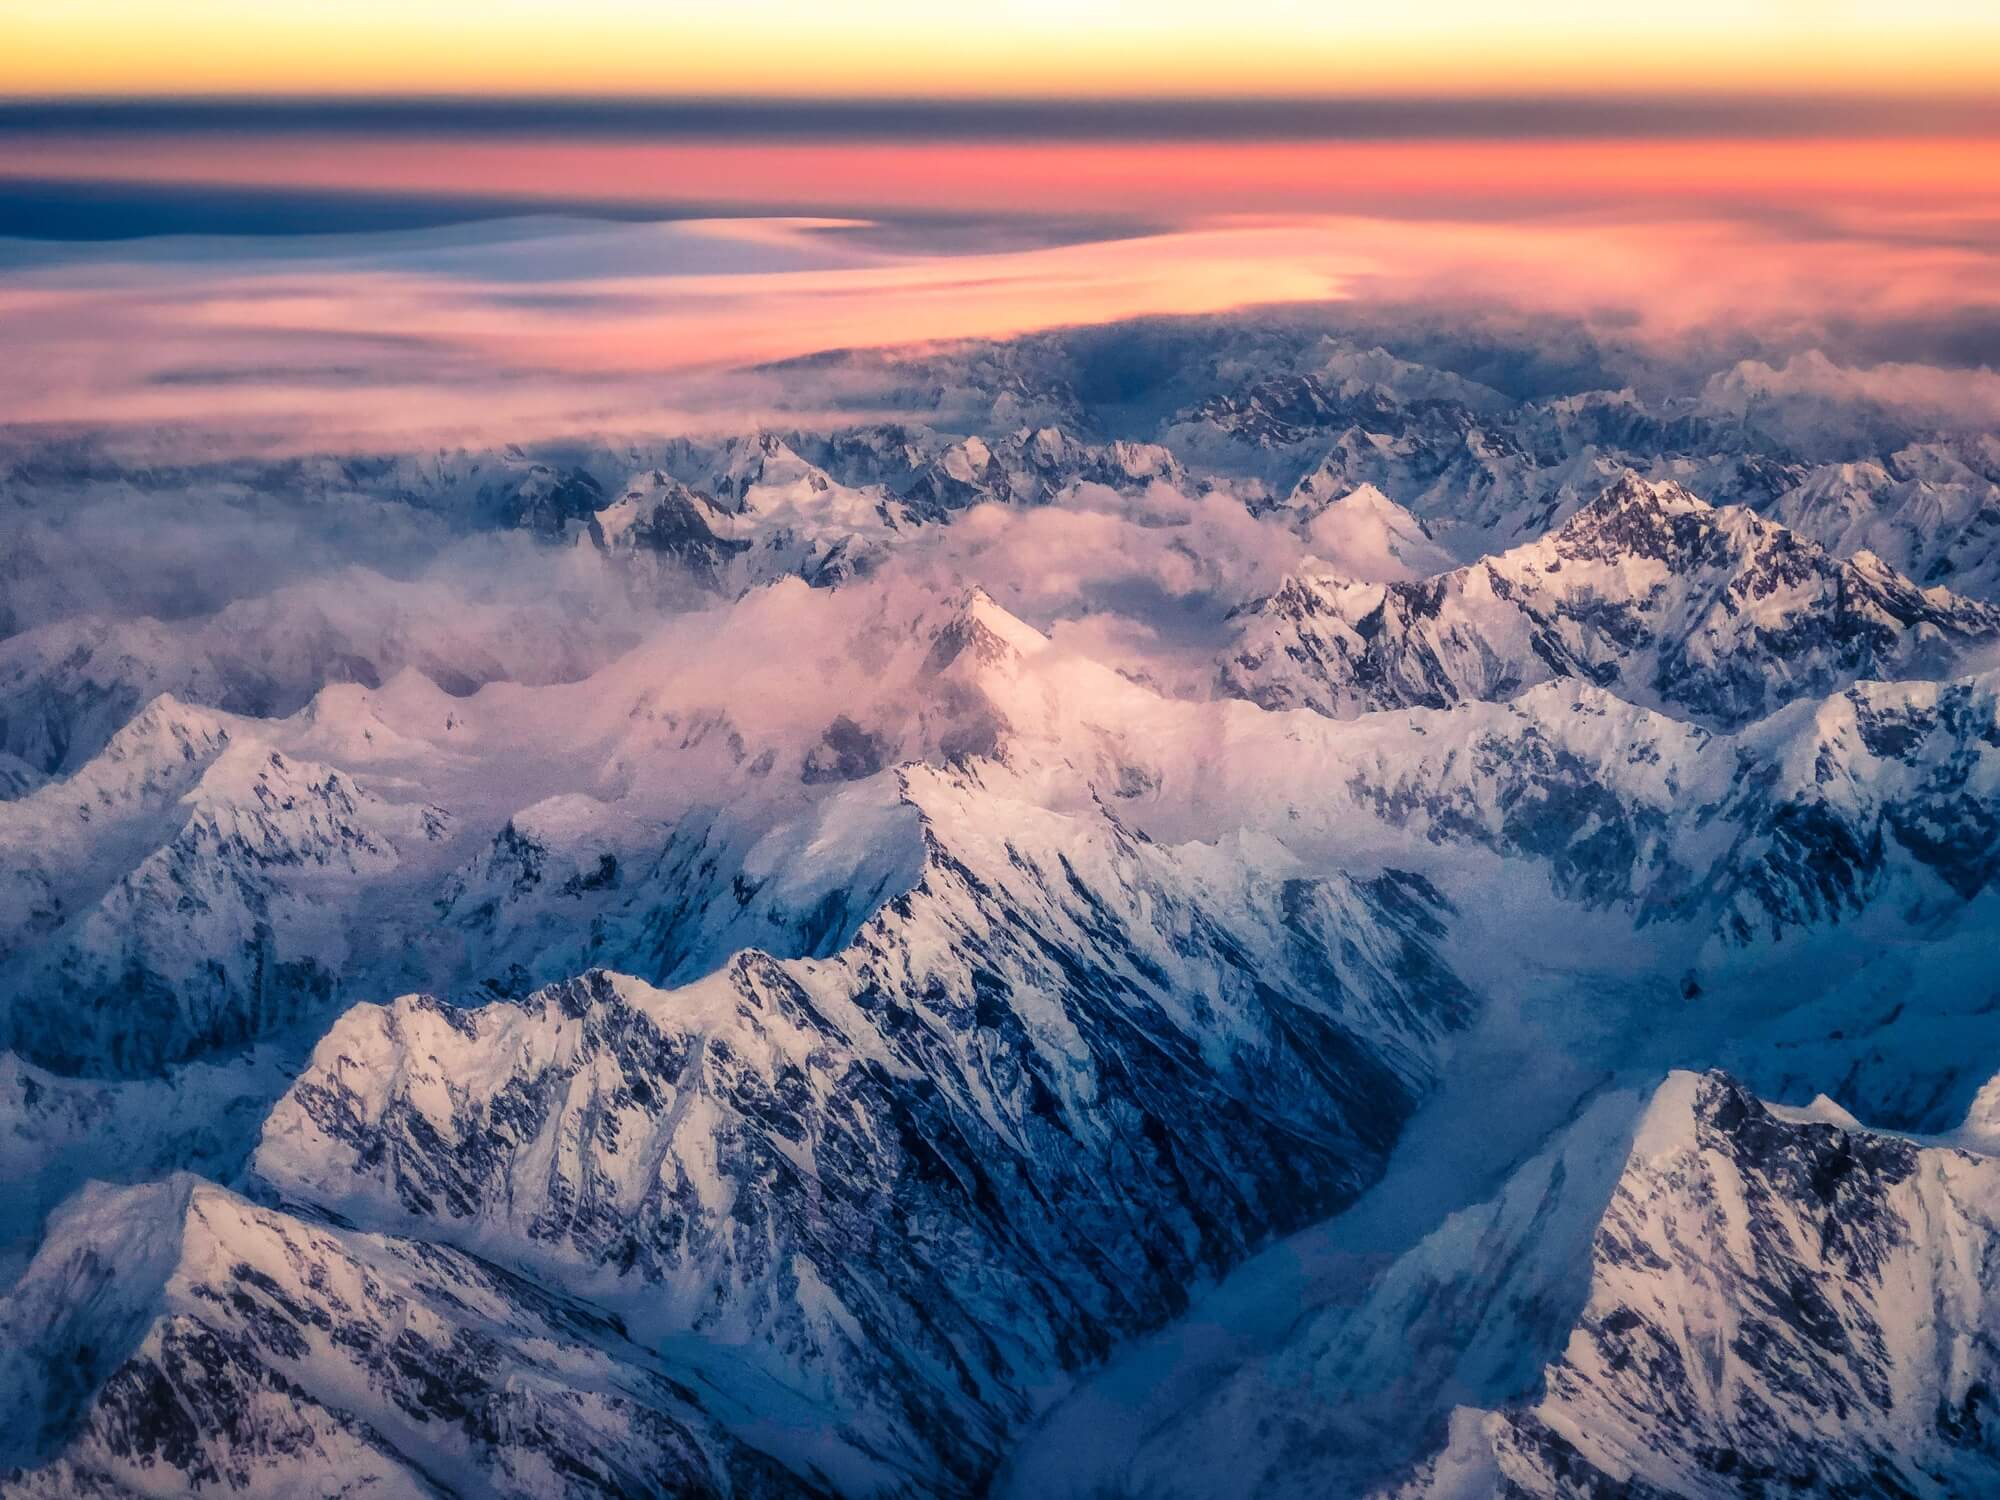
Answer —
539 325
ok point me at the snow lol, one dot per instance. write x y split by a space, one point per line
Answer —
1716 616
907 929
57 1132
1365 535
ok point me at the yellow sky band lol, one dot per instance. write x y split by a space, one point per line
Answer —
1100 47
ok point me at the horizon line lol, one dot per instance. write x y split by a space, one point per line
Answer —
1385 115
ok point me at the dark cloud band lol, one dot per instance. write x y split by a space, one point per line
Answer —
1665 117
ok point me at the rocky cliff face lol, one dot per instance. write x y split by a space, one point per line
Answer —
1686 1292
232 928
1716 616
1776 1302
1805 820
209 882
1931 510
174 1338
840 1013
660 517
1064 1075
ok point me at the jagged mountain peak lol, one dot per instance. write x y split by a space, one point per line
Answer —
737 1142
835 1018
175 1337
222 918
977 624
1775 1297
161 747
651 483
1686 1292
278 809
348 722
1637 518
1714 613
1366 497
1631 493
658 515
761 458
86 1299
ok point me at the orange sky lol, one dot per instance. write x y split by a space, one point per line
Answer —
1177 180
1668 233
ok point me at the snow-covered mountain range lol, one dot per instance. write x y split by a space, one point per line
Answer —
1717 616
1204 908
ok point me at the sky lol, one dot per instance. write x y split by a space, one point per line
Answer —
368 221
1004 47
